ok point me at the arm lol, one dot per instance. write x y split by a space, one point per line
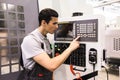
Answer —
53 63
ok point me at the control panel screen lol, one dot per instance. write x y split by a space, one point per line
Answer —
86 29
64 32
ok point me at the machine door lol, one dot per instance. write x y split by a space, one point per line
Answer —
17 18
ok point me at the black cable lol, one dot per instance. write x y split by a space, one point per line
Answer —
94 69
106 72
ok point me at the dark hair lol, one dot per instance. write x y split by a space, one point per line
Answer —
46 15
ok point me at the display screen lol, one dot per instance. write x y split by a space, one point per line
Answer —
86 29
64 32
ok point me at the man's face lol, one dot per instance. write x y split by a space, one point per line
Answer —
52 25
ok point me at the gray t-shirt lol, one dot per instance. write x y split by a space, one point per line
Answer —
32 46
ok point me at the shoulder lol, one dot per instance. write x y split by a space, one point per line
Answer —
30 40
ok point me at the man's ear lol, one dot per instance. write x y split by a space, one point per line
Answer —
43 22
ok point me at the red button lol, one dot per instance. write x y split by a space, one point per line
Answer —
56 54
40 75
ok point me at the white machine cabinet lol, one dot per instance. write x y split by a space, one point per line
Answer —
91 30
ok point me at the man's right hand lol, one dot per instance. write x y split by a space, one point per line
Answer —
74 44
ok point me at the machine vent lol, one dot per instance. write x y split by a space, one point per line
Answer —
116 44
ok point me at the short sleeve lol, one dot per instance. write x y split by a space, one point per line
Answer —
31 47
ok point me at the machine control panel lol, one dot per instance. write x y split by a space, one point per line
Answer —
87 30
77 57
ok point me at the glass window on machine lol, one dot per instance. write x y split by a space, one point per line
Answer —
2 14
2 6
2 24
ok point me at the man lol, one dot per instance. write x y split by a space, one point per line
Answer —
36 49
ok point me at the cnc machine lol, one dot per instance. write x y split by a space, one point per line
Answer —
88 57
